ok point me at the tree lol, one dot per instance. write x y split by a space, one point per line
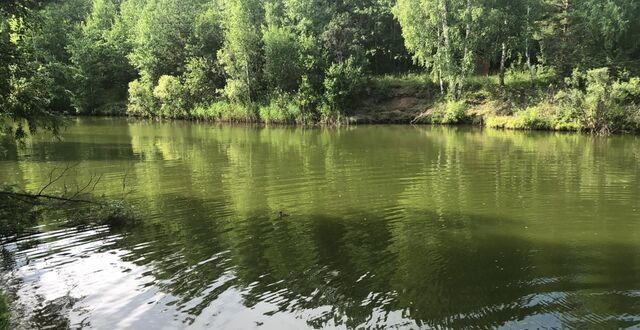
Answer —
162 36
282 68
102 74
504 30
241 55
25 84
588 33
439 34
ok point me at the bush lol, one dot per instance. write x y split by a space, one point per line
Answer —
601 103
282 109
544 116
282 67
455 112
509 122
203 80
342 82
170 95
449 112
141 100
16 216
21 211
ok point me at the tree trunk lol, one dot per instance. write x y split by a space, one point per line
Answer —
565 25
248 78
503 60
529 67
526 44
465 65
447 43
440 43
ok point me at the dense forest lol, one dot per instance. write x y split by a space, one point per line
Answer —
538 64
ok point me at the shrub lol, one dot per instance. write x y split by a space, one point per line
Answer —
510 122
282 67
170 95
342 81
448 112
281 109
601 103
141 100
455 112
203 80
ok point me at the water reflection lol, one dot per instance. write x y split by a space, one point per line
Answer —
387 227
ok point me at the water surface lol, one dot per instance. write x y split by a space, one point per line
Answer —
387 226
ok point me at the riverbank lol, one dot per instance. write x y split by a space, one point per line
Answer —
592 101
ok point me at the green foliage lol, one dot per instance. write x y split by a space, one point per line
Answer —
169 93
97 55
284 109
456 112
593 101
26 85
532 118
310 60
5 313
242 49
26 107
16 217
441 35
141 99
282 68
448 112
409 80
226 112
202 81
602 103
342 82
162 34
115 214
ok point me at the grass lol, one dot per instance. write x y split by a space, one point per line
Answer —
280 110
5 314
408 80
226 112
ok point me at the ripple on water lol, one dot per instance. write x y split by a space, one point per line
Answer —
384 227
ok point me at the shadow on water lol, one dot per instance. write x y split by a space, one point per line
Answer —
429 270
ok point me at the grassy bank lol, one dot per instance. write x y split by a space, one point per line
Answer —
592 101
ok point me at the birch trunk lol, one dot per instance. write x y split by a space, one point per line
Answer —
447 42
503 60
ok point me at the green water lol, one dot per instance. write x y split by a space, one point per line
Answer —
388 226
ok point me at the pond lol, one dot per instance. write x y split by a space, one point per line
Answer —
353 227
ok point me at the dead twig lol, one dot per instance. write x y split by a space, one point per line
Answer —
32 197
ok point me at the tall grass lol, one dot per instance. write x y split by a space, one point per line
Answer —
5 314
226 112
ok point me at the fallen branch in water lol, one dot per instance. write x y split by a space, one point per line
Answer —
74 206
22 197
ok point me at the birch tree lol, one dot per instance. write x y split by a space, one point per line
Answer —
440 34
